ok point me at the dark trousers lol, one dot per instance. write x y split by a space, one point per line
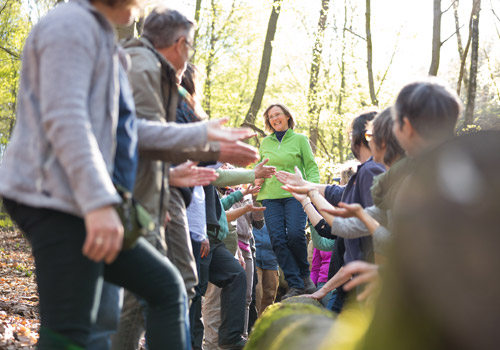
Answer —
286 222
222 269
69 284
253 315
195 309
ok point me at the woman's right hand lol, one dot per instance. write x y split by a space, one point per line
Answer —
104 237
287 178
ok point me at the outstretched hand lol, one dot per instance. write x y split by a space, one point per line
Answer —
188 174
250 190
300 197
366 273
263 171
294 179
250 207
238 153
318 295
297 189
345 210
217 132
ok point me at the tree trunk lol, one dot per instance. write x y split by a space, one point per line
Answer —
210 61
463 70
264 64
197 20
312 97
461 53
471 92
369 52
436 38
340 111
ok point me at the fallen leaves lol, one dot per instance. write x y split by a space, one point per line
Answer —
19 316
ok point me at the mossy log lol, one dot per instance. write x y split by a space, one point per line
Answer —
295 324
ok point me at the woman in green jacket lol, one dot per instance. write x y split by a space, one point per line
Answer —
284 216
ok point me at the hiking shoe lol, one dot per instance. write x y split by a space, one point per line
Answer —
292 292
309 286
240 344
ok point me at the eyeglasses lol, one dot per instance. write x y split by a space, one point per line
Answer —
368 135
275 115
191 49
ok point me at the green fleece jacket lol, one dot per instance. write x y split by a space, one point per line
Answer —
293 150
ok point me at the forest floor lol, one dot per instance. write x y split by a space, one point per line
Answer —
19 316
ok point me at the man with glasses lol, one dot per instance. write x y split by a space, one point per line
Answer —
159 59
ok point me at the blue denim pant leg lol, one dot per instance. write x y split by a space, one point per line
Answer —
295 220
276 222
108 317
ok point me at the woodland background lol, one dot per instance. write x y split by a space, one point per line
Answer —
328 60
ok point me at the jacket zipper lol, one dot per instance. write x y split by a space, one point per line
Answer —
281 139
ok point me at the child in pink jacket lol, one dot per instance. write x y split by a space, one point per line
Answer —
319 270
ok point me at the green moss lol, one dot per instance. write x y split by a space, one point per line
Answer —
279 320
304 332
302 300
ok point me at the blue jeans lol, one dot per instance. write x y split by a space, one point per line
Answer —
69 284
108 317
286 222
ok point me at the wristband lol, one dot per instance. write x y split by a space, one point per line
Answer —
305 205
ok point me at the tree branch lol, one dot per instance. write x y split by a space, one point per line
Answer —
324 147
355 34
451 36
10 52
254 128
387 70
4 6
449 7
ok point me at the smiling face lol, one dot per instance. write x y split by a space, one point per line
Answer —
278 119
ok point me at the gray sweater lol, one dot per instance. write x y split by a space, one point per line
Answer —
62 148
354 228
